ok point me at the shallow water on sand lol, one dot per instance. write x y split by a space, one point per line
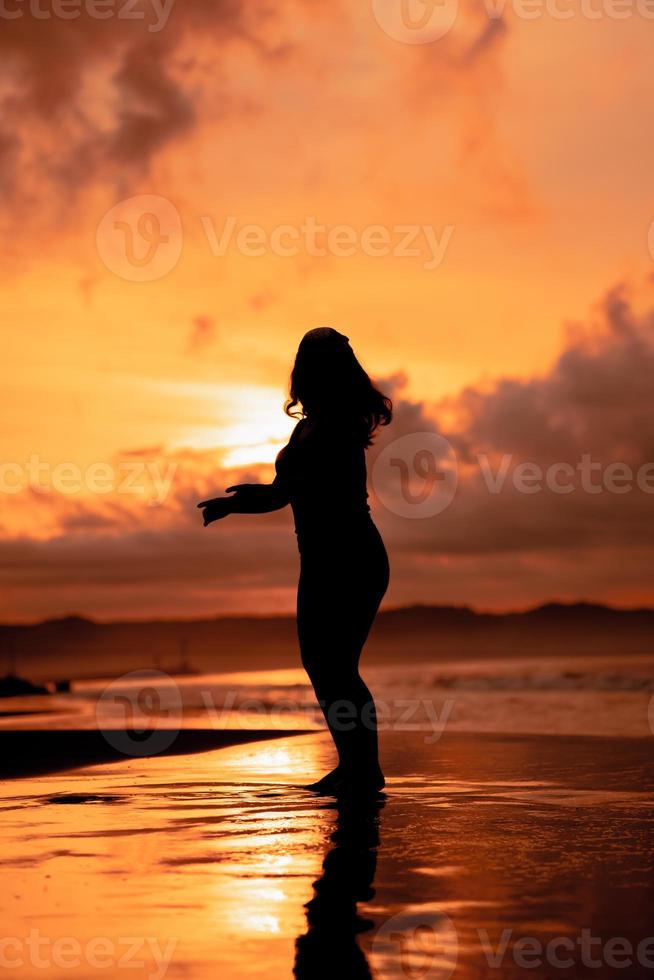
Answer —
201 866
591 695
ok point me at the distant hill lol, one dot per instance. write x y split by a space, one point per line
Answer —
79 647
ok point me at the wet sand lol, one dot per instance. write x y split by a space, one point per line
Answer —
202 865
31 752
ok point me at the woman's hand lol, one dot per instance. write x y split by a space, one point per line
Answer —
216 509
249 498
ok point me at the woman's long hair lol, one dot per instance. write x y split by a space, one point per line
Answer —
327 381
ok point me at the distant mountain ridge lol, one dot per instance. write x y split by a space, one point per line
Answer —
80 647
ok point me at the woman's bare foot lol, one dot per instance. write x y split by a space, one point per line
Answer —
340 783
359 784
327 783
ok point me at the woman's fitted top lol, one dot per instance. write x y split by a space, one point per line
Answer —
322 470
321 473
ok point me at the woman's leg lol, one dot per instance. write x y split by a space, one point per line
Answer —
335 612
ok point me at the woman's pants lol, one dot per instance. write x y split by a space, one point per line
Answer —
343 578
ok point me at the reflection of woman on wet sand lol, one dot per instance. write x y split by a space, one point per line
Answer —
329 948
343 563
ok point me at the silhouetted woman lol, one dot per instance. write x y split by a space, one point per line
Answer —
343 563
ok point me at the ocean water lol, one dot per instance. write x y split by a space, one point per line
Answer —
603 696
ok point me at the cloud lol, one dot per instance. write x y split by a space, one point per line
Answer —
597 398
93 100
587 423
93 105
154 107
498 548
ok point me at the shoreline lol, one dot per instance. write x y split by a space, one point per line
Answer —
27 753
40 752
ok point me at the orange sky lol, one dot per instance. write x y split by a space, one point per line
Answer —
524 146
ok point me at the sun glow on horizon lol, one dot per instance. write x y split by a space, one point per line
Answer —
249 425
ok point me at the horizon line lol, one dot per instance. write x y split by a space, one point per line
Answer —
255 617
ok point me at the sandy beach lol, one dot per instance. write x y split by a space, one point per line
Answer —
484 849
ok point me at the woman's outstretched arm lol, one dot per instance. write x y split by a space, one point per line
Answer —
258 498
248 498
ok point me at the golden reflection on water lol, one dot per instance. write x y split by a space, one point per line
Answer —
214 853
223 860
273 761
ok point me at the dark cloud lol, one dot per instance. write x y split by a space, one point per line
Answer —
595 404
597 398
154 108
88 99
93 101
